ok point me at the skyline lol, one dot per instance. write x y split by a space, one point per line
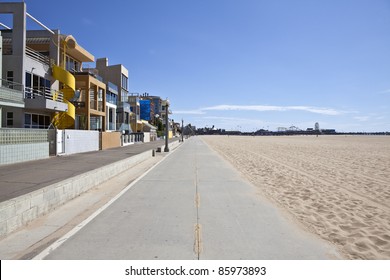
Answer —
248 64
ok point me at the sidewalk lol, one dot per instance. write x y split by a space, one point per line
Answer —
31 189
22 178
192 205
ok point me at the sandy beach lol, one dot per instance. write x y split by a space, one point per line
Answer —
337 187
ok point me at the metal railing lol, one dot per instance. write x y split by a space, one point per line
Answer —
47 93
99 106
37 56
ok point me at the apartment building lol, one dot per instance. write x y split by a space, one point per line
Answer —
43 68
117 77
26 71
11 96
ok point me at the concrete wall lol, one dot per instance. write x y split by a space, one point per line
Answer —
23 152
110 140
80 141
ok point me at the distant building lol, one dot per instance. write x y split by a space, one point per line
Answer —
317 126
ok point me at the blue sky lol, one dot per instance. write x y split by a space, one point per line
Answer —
247 64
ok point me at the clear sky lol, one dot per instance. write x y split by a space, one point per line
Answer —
244 64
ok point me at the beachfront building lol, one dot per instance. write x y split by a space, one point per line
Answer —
11 97
27 60
45 67
91 102
151 107
117 78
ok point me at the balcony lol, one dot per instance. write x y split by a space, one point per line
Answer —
37 56
11 94
45 99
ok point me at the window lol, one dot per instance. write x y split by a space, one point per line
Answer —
36 121
10 78
125 81
10 119
28 92
36 84
27 120
72 64
100 94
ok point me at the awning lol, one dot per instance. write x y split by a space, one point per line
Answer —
148 125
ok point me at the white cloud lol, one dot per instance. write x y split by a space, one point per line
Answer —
384 91
189 112
362 118
263 108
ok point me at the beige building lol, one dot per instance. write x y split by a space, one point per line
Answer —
118 76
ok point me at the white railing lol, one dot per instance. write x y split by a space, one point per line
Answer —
47 93
37 56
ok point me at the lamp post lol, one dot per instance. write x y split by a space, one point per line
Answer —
182 130
166 149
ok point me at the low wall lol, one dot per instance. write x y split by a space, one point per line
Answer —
23 152
19 211
19 144
80 141
110 140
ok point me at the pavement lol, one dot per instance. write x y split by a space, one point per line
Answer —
190 205
22 178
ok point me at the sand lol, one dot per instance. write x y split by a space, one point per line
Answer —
337 187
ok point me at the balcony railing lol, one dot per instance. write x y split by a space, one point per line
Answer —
47 93
37 56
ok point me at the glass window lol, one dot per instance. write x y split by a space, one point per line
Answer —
100 94
35 84
27 120
47 122
34 123
124 82
10 76
41 121
28 79
10 119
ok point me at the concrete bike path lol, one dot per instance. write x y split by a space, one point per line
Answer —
193 205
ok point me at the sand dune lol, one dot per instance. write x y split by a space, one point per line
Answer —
335 186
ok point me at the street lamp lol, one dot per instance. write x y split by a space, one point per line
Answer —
182 130
166 149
